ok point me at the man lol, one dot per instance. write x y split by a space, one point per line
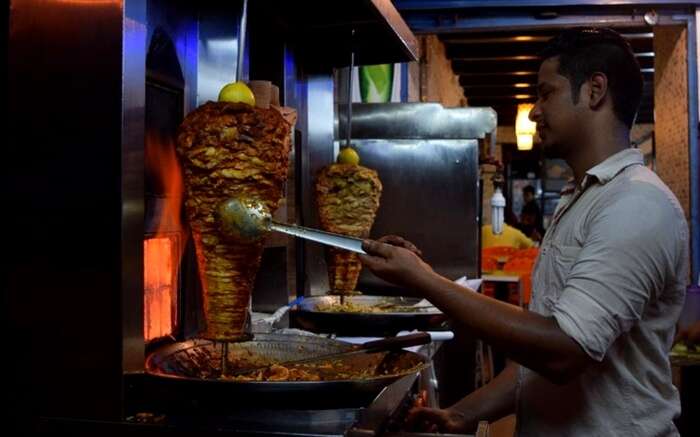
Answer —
531 216
510 237
590 358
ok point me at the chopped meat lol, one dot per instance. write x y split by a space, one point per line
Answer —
347 197
230 150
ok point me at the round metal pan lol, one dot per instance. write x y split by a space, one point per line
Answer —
405 317
187 371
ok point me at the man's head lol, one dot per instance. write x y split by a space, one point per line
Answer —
528 193
585 74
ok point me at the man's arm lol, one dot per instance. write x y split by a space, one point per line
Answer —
530 339
491 402
494 400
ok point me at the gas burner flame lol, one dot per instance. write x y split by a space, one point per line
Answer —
163 251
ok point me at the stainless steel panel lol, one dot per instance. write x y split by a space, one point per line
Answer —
415 121
316 121
427 159
132 183
430 198
178 20
219 23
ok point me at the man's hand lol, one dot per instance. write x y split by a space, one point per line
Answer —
437 420
393 264
395 240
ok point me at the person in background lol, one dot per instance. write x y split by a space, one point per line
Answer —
510 237
591 355
531 216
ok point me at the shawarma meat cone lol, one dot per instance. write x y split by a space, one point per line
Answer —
230 150
347 197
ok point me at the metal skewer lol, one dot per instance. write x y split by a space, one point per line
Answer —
348 118
241 40
224 358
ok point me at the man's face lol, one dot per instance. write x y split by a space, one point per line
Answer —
528 196
558 119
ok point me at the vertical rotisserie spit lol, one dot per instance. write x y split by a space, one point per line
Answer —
347 196
230 150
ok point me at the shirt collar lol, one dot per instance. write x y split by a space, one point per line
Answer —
613 165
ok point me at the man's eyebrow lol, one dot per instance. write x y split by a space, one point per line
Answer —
541 87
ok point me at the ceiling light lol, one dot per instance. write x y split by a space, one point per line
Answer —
524 127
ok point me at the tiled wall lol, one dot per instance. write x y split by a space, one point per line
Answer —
671 110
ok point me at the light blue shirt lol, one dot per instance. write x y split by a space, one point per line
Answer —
612 271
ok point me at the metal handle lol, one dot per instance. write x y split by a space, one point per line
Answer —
400 342
336 240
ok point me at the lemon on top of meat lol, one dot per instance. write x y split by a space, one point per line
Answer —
237 92
348 155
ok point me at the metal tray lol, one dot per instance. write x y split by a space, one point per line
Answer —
186 371
308 316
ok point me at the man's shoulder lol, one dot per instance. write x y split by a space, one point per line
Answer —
640 186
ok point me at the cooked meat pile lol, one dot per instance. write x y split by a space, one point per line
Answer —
230 150
347 197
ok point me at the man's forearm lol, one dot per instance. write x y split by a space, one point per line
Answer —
528 338
492 401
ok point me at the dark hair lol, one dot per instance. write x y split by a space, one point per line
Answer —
529 189
585 51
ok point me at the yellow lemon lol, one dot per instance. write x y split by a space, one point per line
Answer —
348 155
237 92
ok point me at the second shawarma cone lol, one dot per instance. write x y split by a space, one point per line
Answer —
230 150
347 197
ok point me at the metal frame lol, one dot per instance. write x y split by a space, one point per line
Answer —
694 152
132 221
407 5
441 22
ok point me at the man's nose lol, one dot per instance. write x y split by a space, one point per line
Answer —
535 113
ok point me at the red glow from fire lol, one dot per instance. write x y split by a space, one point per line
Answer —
159 287
163 251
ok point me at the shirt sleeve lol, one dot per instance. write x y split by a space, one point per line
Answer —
626 256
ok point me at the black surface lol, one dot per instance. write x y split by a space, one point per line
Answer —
323 31
61 182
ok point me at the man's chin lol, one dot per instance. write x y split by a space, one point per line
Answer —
552 150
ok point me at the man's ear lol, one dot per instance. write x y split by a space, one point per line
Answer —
597 89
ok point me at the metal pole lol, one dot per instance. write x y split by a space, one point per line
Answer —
241 40
348 129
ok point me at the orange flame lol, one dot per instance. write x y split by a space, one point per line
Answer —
162 253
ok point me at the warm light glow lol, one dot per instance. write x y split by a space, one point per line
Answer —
521 85
162 161
159 287
524 142
524 127
90 2
162 253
